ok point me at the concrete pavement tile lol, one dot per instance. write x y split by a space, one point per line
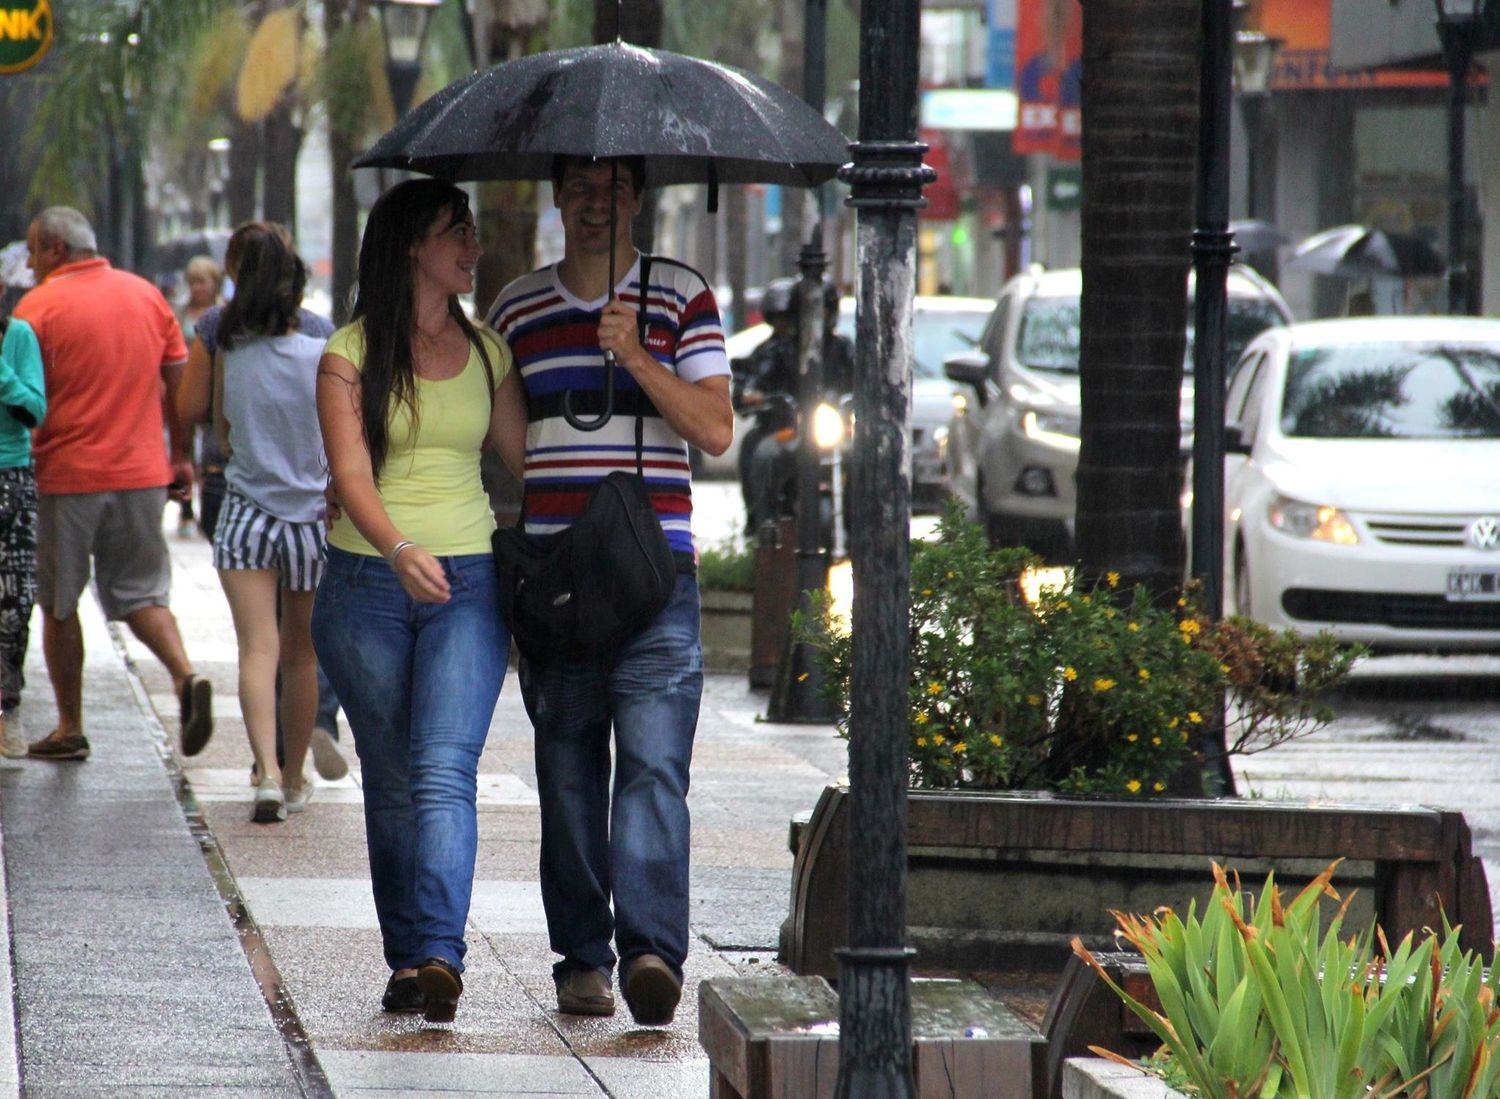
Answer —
632 1078
359 1073
740 909
500 906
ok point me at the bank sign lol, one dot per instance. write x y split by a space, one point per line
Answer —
25 33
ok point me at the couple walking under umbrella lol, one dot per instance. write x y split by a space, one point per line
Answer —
408 620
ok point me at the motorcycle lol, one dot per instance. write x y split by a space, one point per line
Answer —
772 465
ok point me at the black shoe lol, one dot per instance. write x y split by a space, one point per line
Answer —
652 991
441 987
72 746
197 702
403 996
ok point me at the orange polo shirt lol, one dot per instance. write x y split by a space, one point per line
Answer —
105 336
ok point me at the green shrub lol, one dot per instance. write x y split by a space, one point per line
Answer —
1267 1003
728 566
1083 690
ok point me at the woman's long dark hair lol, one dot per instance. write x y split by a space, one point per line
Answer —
269 281
385 305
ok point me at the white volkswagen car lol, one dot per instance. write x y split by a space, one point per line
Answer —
1362 487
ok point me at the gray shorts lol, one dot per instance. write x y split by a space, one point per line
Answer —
120 532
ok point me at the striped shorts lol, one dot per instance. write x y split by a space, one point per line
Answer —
248 537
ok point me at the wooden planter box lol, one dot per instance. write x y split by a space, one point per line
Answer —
1006 879
725 624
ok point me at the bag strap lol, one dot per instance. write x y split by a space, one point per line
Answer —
640 329
217 423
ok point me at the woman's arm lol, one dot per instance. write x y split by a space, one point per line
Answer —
420 573
193 396
508 425
21 388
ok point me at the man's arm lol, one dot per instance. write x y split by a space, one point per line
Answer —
179 436
700 411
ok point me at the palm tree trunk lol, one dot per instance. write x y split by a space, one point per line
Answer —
1140 104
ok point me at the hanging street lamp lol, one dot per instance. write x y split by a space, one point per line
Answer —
1459 29
404 23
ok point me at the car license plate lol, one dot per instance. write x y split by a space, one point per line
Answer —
1474 585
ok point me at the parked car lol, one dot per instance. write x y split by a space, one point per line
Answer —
1362 487
1012 446
942 325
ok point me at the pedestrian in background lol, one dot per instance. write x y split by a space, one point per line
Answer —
109 340
204 283
22 406
615 868
194 407
407 621
268 541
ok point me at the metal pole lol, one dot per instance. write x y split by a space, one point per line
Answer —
1458 50
1213 248
886 177
798 695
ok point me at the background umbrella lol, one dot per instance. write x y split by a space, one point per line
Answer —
693 121
1256 235
1359 250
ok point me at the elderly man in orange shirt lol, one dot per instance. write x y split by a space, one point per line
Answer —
109 339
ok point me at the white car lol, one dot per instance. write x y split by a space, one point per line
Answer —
1362 487
942 325
1013 441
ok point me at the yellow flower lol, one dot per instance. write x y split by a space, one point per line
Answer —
1070 673
926 591
1156 741
1195 717
960 748
1189 626
1033 700
949 575
1104 684
1158 786
1144 673
938 739
921 742
1086 600
802 678
1224 668
996 740
1184 736
1132 737
1134 786
1133 627
1173 723
1182 602
1113 579
921 719
934 688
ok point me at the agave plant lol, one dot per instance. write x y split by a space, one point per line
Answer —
1268 1003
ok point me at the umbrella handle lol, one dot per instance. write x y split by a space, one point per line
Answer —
609 400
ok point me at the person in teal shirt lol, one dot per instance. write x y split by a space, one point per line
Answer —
23 403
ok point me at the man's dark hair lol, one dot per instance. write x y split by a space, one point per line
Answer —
635 165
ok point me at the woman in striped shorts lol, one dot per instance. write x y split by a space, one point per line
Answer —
269 536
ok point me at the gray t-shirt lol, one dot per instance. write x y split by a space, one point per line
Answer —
276 445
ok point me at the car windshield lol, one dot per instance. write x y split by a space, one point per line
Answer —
1392 391
937 334
1049 334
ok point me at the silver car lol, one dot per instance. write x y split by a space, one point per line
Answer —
1012 445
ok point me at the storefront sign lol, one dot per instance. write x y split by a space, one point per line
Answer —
25 33
1049 78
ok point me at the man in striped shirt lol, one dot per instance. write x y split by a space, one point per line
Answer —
671 382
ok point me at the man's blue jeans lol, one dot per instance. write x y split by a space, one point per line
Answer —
636 849
418 682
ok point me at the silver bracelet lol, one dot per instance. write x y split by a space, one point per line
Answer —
396 552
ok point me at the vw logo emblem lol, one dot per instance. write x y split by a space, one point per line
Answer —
1485 533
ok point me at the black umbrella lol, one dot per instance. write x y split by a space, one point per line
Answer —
693 121
1256 236
1356 250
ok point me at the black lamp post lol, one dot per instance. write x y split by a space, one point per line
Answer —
886 178
1458 30
404 25
1213 248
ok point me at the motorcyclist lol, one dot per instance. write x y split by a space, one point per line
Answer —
766 386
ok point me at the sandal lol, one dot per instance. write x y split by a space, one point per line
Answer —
441 987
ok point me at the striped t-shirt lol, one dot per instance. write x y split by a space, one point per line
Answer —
554 338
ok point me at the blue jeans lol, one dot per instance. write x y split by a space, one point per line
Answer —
634 851
418 682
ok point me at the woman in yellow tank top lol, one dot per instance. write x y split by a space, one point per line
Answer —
407 621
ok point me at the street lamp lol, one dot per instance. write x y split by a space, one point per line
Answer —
218 181
1458 31
1254 65
404 23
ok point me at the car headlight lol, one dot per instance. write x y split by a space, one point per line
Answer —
1056 428
960 404
828 426
1319 522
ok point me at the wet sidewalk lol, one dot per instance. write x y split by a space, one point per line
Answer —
164 945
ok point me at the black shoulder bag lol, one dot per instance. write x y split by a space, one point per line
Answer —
595 584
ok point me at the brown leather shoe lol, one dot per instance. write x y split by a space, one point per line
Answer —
585 992
651 991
